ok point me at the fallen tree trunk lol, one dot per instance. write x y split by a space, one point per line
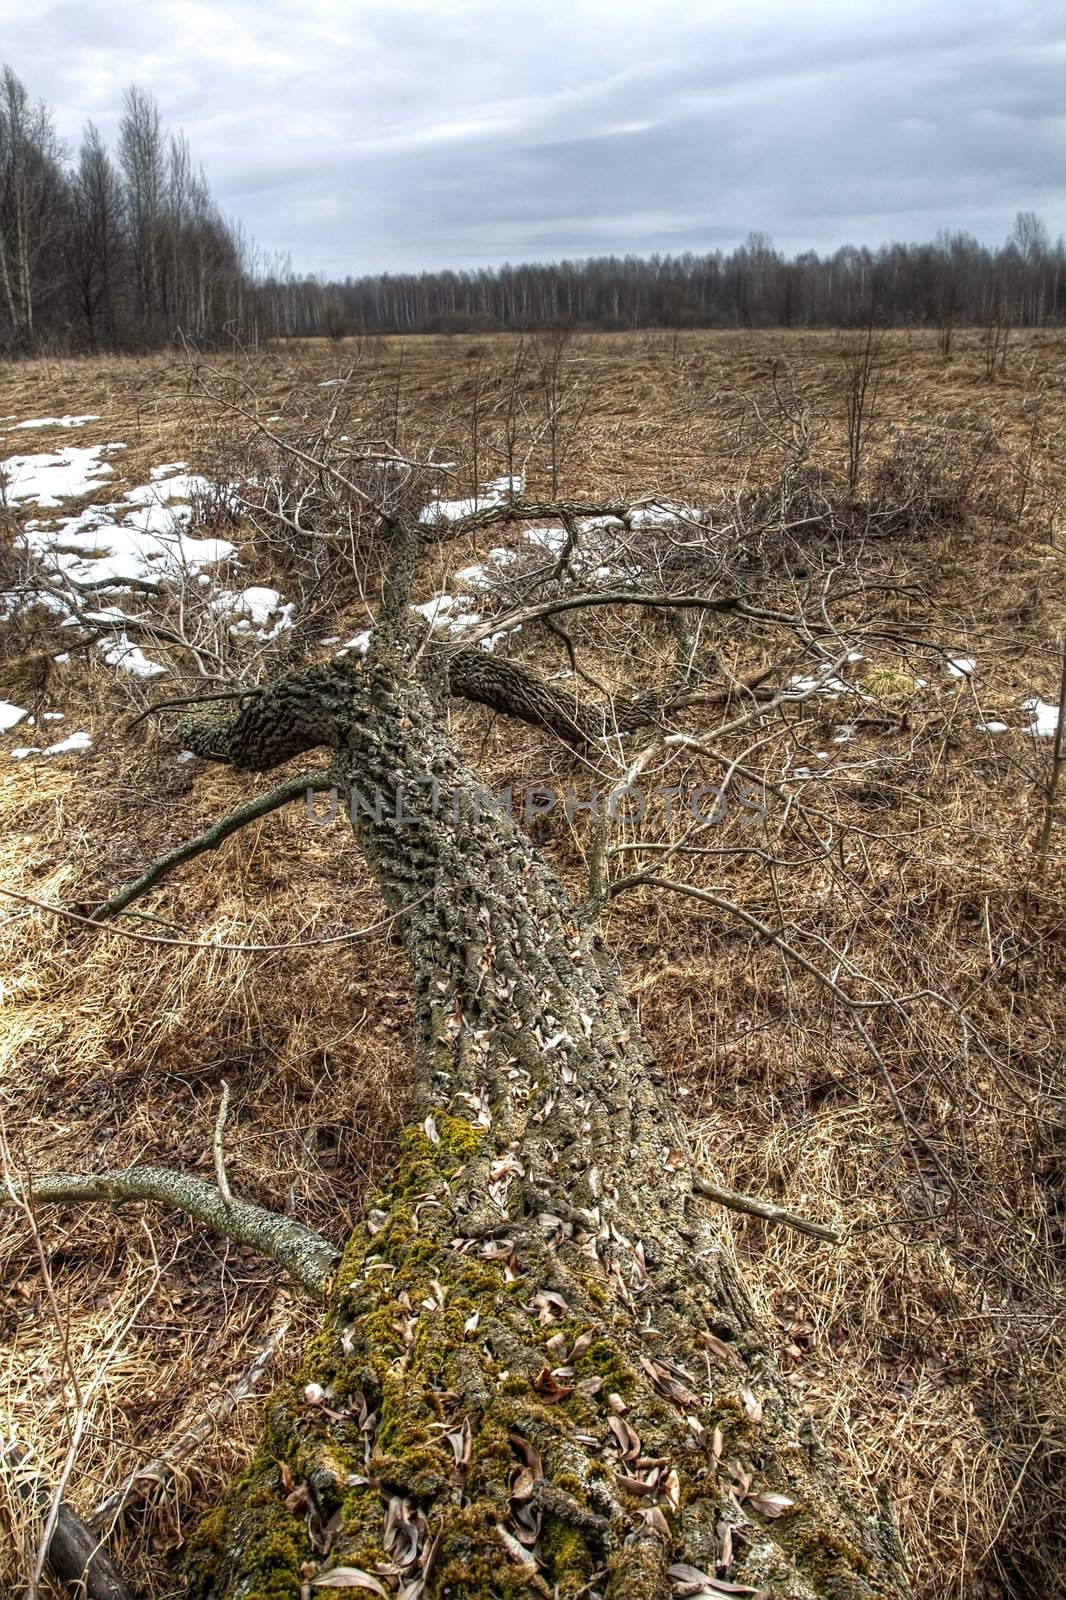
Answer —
539 1374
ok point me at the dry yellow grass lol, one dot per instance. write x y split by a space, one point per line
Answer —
929 1345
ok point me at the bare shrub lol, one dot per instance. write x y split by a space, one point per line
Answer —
994 339
216 505
862 381
336 323
932 478
563 396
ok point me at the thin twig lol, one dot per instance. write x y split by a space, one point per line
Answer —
734 604
188 700
1058 757
219 1148
164 1466
210 944
764 1209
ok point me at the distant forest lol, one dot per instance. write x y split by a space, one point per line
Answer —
125 249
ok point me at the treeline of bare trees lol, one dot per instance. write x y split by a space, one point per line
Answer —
121 249
112 249
954 280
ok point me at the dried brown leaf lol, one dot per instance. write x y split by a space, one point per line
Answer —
653 1518
627 1440
349 1578
549 1306
549 1388
752 1405
635 1485
768 1503
515 1548
529 1455
691 1581
719 1348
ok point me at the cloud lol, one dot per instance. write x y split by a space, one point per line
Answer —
358 136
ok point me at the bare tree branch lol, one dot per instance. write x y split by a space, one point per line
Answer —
734 604
210 944
441 530
168 1462
219 1146
764 1209
1058 760
188 700
211 838
304 1254
654 881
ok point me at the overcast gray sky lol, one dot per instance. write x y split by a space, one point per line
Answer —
366 134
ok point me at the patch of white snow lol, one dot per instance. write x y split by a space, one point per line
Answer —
360 644
553 539
58 422
1045 717
49 479
75 741
493 493
122 652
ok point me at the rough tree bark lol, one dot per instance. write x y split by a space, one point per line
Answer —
538 1374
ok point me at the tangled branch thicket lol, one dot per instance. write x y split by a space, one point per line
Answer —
854 988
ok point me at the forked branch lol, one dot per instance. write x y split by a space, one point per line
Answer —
437 530
652 600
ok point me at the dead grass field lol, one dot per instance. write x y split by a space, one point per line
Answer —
929 1345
